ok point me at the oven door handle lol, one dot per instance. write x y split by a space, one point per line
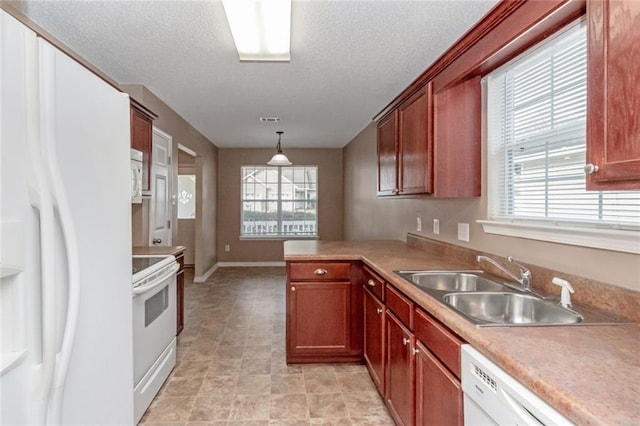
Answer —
156 282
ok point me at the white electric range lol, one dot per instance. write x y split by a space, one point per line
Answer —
154 326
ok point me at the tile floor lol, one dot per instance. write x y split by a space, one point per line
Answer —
231 366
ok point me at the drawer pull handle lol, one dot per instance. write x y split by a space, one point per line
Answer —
379 310
405 341
293 288
372 283
320 271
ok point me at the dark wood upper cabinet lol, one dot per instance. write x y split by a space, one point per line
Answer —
437 141
388 155
613 99
458 140
141 139
415 150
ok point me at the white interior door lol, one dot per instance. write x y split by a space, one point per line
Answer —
160 208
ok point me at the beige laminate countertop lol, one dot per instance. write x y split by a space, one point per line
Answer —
591 374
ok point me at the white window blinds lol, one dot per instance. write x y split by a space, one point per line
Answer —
536 118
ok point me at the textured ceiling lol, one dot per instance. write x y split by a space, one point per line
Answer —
348 60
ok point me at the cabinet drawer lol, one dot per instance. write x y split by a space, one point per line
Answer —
399 305
320 271
374 283
440 341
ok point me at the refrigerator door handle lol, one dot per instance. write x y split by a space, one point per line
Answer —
40 199
67 228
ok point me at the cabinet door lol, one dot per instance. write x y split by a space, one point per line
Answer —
388 155
374 339
141 131
438 392
458 139
415 121
613 99
400 383
318 317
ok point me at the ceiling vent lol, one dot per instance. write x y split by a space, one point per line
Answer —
270 119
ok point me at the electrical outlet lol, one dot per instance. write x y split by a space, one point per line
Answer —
463 232
227 248
418 224
436 226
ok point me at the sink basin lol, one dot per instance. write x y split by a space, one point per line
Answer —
452 281
509 309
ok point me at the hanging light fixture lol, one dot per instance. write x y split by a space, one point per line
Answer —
279 159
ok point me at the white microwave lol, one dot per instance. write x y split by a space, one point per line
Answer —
136 176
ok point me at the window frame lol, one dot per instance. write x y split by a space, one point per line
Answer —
578 233
279 201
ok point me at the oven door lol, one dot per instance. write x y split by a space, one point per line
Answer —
154 318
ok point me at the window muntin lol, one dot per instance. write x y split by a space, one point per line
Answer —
536 120
279 201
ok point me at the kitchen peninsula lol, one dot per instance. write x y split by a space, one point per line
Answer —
591 374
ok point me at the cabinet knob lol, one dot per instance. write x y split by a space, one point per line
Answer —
293 288
372 283
405 341
320 271
591 168
415 351
379 310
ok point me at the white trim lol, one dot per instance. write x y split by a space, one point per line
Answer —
607 239
206 275
249 264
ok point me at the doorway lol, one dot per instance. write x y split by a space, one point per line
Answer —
187 197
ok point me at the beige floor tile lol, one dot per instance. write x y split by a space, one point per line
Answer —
321 383
355 382
289 407
219 385
255 366
364 404
289 422
259 384
257 351
214 408
183 386
171 409
192 368
327 405
250 407
330 422
287 384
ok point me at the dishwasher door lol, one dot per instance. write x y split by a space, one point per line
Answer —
491 396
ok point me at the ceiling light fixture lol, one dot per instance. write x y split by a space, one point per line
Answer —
261 29
279 159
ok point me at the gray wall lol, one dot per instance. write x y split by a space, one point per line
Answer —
369 217
329 162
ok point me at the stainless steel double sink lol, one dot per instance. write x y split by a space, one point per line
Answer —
485 301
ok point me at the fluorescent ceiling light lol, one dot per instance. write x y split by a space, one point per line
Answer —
261 29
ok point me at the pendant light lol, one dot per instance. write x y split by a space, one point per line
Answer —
279 159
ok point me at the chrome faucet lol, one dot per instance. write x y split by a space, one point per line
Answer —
525 275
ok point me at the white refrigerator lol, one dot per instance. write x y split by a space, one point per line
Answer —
65 232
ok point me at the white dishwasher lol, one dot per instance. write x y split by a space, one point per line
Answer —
492 397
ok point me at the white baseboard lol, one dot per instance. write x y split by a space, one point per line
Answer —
205 277
249 264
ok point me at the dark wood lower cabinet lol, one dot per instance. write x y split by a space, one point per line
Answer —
400 373
319 318
374 339
438 392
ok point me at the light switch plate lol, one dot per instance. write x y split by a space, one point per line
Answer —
418 224
436 226
463 232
